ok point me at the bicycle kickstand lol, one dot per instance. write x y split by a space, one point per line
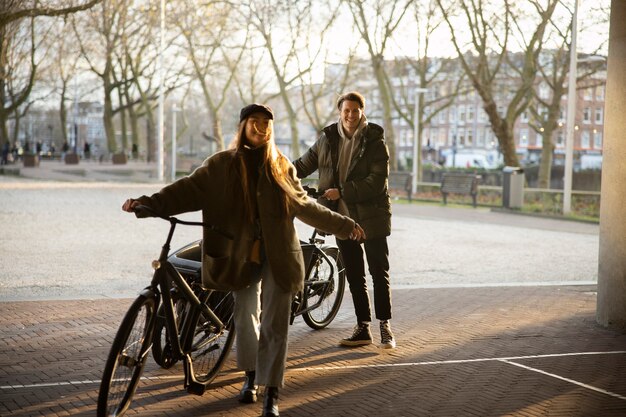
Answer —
191 385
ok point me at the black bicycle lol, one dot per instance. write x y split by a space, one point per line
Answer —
318 302
202 320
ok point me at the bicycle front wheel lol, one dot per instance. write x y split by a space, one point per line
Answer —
127 358
328 281
211 345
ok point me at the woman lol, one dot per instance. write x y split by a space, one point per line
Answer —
252 191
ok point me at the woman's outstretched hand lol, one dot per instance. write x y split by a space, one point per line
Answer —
357 233
129 205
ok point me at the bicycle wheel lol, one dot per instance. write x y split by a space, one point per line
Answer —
161 343
210 346
330 275
127 358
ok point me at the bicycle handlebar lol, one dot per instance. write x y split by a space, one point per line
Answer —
176 220
313 192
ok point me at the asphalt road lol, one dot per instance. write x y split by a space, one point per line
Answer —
68 240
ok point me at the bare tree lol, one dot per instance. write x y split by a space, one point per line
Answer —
284 27
18 68
545 108
215 48
376 22
98 47
502 80
424 73
14 10
319 99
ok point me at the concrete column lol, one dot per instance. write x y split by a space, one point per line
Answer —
611 309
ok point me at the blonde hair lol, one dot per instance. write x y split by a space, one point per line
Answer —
276 170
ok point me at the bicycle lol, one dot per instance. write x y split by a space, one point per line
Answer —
204 336
318 303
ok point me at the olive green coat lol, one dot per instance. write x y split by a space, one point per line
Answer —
215 188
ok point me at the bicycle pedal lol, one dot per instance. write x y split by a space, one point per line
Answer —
196 388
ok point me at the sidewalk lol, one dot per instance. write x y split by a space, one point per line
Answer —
89 171
504 351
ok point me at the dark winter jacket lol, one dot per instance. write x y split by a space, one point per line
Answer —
365 190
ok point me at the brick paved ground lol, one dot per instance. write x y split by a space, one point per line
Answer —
500 351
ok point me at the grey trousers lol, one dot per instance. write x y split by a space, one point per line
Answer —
263 348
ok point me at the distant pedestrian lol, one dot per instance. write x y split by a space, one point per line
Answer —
87 150
5 153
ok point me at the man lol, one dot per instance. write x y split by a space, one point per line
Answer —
353 163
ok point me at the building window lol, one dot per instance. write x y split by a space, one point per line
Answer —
470 113
588 93
461 137
524 118
544 91
452 114
599 115
587 115
482 116
597 140
462 114
523 137
600 93
560 139
470 137
584 139
539 140
480 137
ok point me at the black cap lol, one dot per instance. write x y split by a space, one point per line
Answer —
255 108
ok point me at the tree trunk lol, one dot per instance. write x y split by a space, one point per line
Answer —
387 117
109 129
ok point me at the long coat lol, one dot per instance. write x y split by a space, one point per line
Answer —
215 188
365 190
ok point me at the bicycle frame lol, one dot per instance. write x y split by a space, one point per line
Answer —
160 287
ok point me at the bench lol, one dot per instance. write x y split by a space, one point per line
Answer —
459 184
399 181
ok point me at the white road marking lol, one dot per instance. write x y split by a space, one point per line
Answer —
571 381
508 360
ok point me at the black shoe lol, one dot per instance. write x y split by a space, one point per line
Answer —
248 392
387 340
360 337
270 404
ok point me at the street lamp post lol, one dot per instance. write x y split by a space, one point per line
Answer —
417 148
160 133
571 117
174 110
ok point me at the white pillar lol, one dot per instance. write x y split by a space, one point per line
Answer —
611 309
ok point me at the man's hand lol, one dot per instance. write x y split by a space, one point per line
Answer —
357 233
332 194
